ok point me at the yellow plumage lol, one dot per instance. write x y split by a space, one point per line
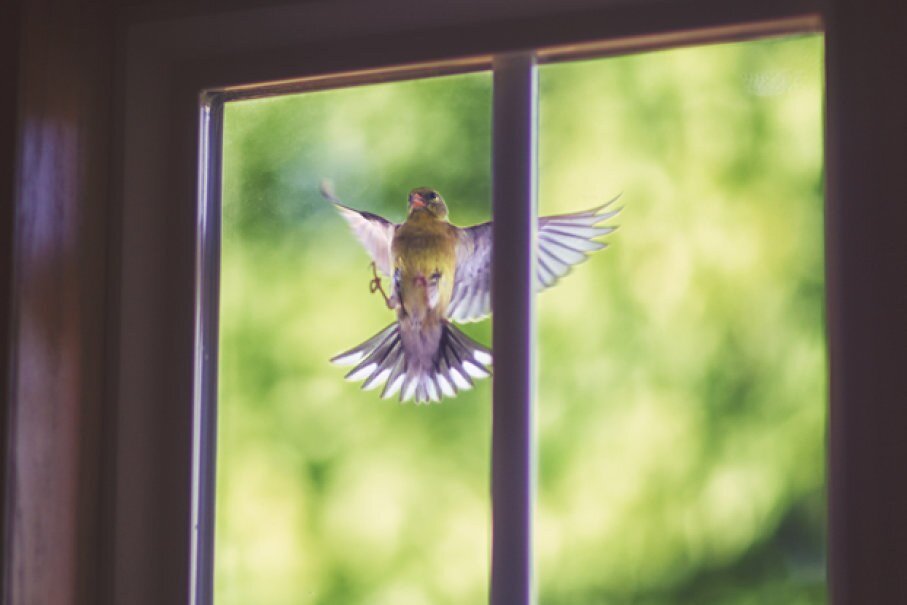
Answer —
424 253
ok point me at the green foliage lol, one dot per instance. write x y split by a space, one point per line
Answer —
682 377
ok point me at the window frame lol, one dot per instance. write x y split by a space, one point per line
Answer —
174 79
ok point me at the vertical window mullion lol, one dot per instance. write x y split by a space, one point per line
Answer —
207 318
513 438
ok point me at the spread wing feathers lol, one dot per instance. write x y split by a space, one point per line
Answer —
374 232
417 374
470 299
564 240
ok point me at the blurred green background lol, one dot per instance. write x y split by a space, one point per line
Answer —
682 373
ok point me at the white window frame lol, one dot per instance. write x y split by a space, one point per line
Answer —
176 76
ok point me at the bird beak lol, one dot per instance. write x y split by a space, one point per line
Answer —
416 201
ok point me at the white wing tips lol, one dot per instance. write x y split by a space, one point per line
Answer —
383 360
482 356
599 211
326 187
374 232
347 359
566 240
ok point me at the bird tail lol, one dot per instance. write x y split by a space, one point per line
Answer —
424 365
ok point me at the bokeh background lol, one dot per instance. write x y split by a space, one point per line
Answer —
682 371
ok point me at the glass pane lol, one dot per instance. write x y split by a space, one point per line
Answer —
327 494
682 394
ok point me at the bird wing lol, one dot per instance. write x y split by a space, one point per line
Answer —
563 240
470 299
374 232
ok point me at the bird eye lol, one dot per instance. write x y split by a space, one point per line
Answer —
433 196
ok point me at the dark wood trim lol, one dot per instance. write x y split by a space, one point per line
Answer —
57 295
9 113
277 68
866 218
385 64
155 340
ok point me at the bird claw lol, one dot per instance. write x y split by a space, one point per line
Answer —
375 285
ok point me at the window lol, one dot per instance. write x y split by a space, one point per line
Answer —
129 536
667 341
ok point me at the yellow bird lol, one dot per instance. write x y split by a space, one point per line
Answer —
442 273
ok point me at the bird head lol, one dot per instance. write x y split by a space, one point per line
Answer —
428 200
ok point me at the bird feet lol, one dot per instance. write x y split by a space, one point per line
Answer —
375 286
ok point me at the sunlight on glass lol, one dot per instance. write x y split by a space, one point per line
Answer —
682 392
327 494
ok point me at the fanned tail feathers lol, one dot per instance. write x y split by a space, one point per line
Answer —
424 376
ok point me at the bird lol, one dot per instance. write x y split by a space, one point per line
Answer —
441 274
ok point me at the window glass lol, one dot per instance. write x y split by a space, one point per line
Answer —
325 493
682 388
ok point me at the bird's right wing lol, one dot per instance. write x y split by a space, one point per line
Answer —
563 240
374 232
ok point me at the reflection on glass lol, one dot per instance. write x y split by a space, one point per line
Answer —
682 392
327 494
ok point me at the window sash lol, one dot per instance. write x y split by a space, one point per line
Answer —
514 211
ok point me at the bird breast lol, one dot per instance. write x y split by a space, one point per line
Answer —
424 262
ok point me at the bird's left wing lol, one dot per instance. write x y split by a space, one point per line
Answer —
471 296
374 232
564 240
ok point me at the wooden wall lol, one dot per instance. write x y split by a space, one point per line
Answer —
58 298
